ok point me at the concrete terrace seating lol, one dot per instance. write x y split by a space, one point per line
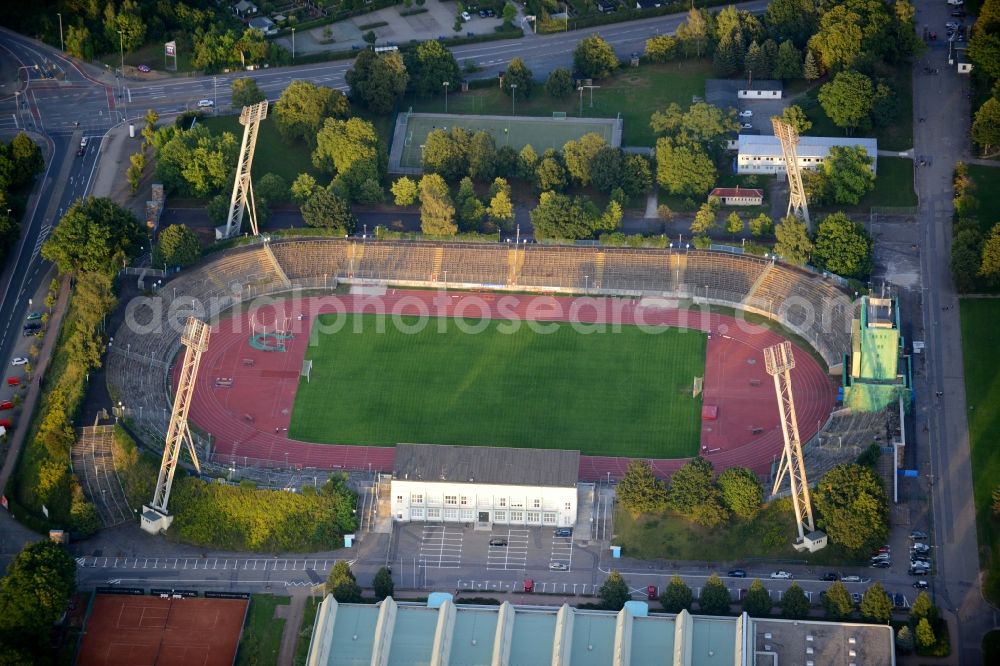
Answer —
727 276
396 261
311 259
640 270
564 267
485 264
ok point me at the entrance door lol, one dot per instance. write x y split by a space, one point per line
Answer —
484 516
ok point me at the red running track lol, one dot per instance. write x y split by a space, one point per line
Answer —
250 418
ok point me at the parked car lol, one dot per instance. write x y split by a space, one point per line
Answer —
851 579
921 585
563 532
205 103
919 571
784 575
952 25
33 316
747 126
918 535
5 423
6 404
920 548
829 576
143 68
558 566
885 549
856 598
737 573
20 360
466 16
498 542
881 564
746 113
898 600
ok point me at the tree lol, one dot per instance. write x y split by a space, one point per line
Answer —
640 491
325 209
695 32
594 58
704 219
838 602
793 244
78 42
797 118
614 592
636 176
437 213
482 157
757 602
986 126
95 235
35 592
989 268
810 70
922 607
246 92
606 169
843 247
550 174
26 157
302 188
342 584
925 634
661 48
876 605
382 583
741 491
527 160
302 108
791 20
683 169
177 246
852 506
734 223
757 62
560 83
693 494
501 208
405 191
378 80
884 105
517 74
838 43
848 174
559 216
794 603
762 225
447 152
579 156
728 57
847 100
788 64
349 149
509 14
676 596
714 598
468 206
272 187
370 37
966 258
984 52
904 639
429 66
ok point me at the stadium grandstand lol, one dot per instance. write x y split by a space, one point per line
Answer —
143 349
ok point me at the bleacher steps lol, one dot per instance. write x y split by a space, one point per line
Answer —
515 262
438 263
355 252
757 284
598 270
678 269
276 264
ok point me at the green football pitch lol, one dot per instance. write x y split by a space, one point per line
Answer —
624 393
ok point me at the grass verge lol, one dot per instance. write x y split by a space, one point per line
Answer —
893 185
987 181
305 631
982 389
622 392
261 640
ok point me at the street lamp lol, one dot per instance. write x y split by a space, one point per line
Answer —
513 97
293 44
121 47
445 84
215 94
581 100
62 47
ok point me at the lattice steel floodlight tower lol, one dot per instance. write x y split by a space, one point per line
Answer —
789 137
779 361
155 517
250 118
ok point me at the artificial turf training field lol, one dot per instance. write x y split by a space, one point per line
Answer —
624 393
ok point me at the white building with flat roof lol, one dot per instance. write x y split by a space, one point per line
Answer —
464 484
762 153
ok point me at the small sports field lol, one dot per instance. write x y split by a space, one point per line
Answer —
514 131
624 393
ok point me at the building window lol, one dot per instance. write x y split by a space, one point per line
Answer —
451 500
433 514
417 514
502 501
500 516
568 506
517 516
468 515
534 517
417 499
536 504
549 518
465 500
399 499
451 514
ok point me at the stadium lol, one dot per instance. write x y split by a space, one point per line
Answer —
278 388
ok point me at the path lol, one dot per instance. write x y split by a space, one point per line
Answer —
293 613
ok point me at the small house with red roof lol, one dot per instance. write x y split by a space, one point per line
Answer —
738 196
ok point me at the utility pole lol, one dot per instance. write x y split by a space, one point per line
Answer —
293 44
513 97
445 84
581 100
62 46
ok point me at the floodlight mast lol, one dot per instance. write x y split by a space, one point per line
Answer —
789 137
250 118
195 339
779 361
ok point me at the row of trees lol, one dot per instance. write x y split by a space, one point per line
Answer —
839 245
443 215
343 585
975 256
984 52
20 161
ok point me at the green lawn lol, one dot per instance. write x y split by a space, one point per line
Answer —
261 640
982 388
633 93
272 154
625 393
987 185
893 185
769 536
305 631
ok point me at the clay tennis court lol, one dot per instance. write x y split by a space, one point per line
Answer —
124 630
244 396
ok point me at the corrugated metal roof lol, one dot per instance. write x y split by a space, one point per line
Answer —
484 464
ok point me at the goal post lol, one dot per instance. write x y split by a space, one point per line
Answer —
307 367
699 384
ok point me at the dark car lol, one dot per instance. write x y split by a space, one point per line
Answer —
919 571
898 600
143 68
498 542
881 564
921 585
563 532
737 573
829 576
918 535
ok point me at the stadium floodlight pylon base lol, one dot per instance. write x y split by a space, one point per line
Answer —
155 517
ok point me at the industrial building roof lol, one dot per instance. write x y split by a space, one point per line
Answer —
767 144
485 464
401 634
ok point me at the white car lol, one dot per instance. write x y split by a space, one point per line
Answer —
747 126
205 103
951 25
20 360
466 16
746 113
558 566
781 574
